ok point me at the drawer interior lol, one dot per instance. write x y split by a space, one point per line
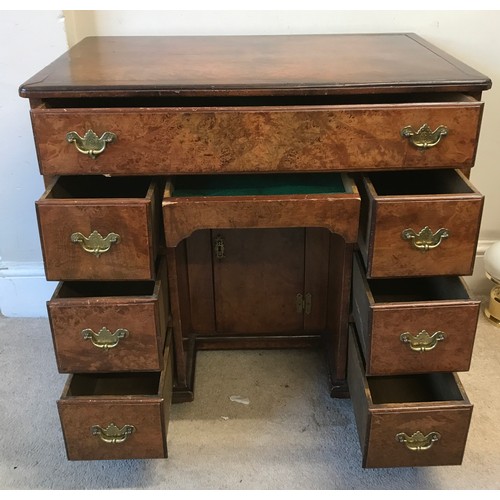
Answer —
114 384
78 289
417 289
74 186
258 184
428 387
413 182
244 101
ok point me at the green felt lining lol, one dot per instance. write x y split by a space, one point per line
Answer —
257 184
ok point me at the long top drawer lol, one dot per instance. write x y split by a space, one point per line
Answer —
440 132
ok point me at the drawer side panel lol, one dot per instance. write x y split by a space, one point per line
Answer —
357 390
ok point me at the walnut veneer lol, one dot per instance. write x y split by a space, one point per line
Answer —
385 130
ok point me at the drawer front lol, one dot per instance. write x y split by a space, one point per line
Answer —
336 211
98 239
422 235
206 140
78 421
402 336
106 334
407 434
120 426
384 449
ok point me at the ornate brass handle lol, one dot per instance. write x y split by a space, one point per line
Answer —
104 339
417 441
95 243
424 137
112 434
90 144
422 341
425 239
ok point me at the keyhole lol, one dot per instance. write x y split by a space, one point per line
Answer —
219 247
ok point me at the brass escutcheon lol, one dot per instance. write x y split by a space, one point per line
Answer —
422 342
104 339
112 434
219 248
90 144
424 137
425 239
417 441
95 243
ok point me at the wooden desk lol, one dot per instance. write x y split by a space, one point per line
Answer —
210 193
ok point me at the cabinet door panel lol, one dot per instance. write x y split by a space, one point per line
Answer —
257 280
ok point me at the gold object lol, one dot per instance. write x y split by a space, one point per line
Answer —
104 339
425 239
417 441
95 243
219 247
492 310
112 434
422 341
303 303
424 137
90 144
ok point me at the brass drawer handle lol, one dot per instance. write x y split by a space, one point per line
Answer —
95 243
104 339
112 434
425 239
417 441
422 342
90 144
424 137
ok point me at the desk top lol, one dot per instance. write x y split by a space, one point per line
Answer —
252 65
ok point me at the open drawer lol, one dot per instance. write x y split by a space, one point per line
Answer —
349 133
260 201
408 420
413 325
99 228
417 223
117 415
107 326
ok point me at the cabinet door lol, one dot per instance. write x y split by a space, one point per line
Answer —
257 276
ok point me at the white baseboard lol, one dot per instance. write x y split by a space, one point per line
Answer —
24 290
478 283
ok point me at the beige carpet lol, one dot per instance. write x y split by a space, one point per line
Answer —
292 435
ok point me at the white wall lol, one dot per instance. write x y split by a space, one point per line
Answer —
30 40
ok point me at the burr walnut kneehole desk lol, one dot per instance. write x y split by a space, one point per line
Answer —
260 192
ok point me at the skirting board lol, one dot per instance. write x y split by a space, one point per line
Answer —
478 283
24 290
